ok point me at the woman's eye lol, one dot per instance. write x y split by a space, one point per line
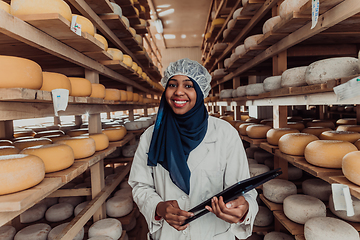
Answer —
172 85
189 86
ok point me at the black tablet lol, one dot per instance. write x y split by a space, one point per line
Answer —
234 192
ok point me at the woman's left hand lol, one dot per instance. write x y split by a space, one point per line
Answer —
231 212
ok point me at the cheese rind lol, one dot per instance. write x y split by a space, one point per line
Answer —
340 135
315 130
86 24
30 142
112 94
264 217
102 40
270 23
97 90
80 87
116 54
257 130
7 232
110 227
82 146
274 134
115 134
272 83
33 214
37 231
53 81
342 213
58 229
8 150
119 206
276 190
317 188
295 143
293 77
289 6
351 166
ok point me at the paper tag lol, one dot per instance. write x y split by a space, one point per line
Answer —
75 27
60 100
348 90
342 198
315 13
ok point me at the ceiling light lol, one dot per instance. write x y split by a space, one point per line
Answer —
169 36
183 35
158 9
168 21
159 26
194 35
164 6
166 12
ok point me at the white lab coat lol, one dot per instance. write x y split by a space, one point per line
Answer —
216 163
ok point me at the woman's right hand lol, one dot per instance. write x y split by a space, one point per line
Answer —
172 214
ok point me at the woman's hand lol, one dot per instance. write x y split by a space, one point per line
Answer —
231 212
172 214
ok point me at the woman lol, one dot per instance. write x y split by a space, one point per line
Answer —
186 158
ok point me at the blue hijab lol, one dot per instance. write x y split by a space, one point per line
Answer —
175 136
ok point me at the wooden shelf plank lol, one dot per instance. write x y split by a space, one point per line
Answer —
254 141
240 23
118 160
251 7
99 56
128 137
116 25
325 6
291 23
97 156
70 173
271 205
100 6
125 220
249 54
271 38
268 147
292 227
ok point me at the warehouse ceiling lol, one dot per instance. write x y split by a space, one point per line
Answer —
183 21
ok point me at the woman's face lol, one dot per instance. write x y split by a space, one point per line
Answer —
180 94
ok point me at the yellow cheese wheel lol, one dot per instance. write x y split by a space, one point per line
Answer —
218 21
227 118
143 22
80 87
19 172
23 7
136 11
143 75
102 40
82 146
8 150
6 143
321 123
207 35
274 134
24 133
20 73
296 125
126 21
257 131
53 81
123 96
116 54
5 6
49 133
136 97
295 143
56 157
242 128
115 134
328 153
346 121
134 66
129 96
132 31
142 8
268 122
138 39
139 71
351 128
127 60
77 132
101 140
97 90
315 130
340 135
86 24
141 99
21 144
112 94
351 166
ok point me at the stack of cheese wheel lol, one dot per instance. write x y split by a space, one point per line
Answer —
24 143
328 153
20 73
276 190
119 206
97 90
37 231
342 213
58 229
295 143
127 60
8 150
274 134
7 232
56 157
115 134
112 94
59 212
289 6
257 130
110 227
80 87
82 146
340 135
293 77
315 130
351 167
102 40
321 123
77 132
20 7
53 81
19 172
34 213
86 24
116 54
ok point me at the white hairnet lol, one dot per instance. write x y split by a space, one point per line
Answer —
191 69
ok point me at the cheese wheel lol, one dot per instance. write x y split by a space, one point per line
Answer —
101 238
8 150
6 143
237 13
74 201
5 6
7 232
59 212
134 66
20 73
264 217
119 206
97 90
112 94
328 228
243 127
350 167
317 188
80 207
240 50
80 87
38 231
125 192
315 130
340 135
328 153
129 96
47 133
116 54
250 152
106 227
58 229
321 123
125 21
218 22
138 39
231 24
129 150
24 133
257 169
116 9
139 71
102 40
25 143
270 23
131 225
272 83
295 143
294 173
53 81
49 201
101 141
289 6
143 22
351 128
227 62
278 236
241 91
260 156
251 41
293 77
136 97
254 89
123 96
115 134
346 121
257 130
34 213
299 208
226 93
273 135
342 213
127 60
21 7
56 157
133 125
324 70
82 146
77 132
225 33
276 190
296 125
86 24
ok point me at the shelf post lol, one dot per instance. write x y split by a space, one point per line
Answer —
279 116
131 111
358 113
237 111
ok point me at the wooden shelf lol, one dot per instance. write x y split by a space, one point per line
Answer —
240 23
252 6
354 189
128 137
292 227
100 6
268 147
253 141
272 206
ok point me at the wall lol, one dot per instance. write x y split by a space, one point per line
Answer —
172 54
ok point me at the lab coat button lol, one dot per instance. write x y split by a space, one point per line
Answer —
184 232
184 197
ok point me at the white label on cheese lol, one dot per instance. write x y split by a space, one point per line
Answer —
342 198
75 27
315 12
348 90
60 100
